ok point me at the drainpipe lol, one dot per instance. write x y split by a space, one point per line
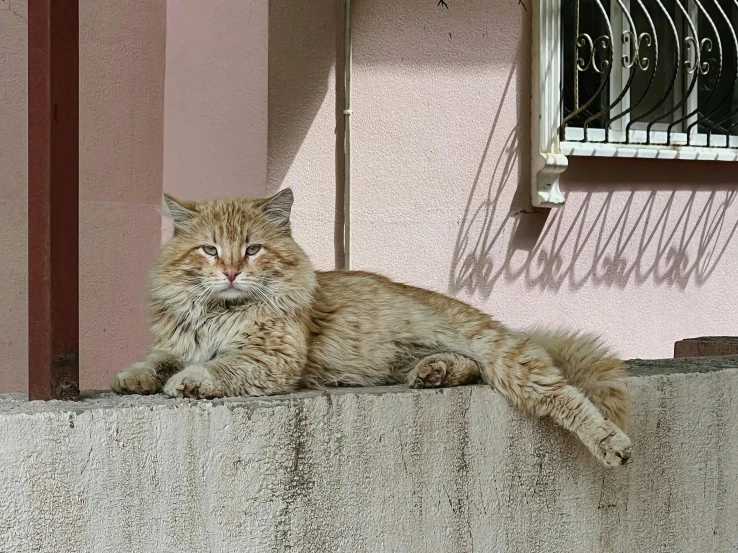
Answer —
347 140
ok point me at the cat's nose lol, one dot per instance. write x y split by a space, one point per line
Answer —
231 275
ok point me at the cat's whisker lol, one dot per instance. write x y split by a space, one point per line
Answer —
263 295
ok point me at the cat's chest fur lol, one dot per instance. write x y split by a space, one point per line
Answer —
200 337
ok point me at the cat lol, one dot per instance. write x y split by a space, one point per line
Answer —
238 310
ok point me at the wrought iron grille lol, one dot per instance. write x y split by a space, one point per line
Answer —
653 72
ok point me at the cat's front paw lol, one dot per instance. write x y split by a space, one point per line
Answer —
614 448
194 381
139 378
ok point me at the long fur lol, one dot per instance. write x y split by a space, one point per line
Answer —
590 366
237 309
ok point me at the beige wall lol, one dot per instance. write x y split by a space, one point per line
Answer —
121 114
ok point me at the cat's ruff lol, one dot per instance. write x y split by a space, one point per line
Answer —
237 309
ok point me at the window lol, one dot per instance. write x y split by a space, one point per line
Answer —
632 78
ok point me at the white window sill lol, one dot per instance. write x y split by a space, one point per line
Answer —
637 148
644 151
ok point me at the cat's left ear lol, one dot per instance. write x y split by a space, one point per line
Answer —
279 207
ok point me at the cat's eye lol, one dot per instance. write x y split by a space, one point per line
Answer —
210 250
253 249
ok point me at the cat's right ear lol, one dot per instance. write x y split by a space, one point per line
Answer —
182 212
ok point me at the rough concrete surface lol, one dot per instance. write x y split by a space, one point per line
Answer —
375 470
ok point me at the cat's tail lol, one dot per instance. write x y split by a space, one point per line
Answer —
591 367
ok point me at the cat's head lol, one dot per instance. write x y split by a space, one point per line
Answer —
233 251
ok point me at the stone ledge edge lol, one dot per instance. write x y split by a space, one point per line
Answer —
16 404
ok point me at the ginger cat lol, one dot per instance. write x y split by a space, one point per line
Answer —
237 310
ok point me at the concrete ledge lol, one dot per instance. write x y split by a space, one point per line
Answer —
371 470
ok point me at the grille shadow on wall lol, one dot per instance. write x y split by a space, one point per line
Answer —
608 233
609 238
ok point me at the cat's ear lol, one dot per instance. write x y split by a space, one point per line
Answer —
182 212
278 208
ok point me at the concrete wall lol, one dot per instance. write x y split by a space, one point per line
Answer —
121 113
383 470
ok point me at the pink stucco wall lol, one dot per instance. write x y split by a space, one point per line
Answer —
215 111
250 107
644 253
121 114
303 40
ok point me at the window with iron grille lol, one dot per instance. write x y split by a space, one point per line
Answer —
632 78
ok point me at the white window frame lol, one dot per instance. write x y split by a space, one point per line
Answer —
549 154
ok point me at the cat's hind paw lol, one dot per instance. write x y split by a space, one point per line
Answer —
194 381
429 374
614 448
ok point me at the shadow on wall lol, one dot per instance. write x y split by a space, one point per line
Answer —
302 54
306 44
625 222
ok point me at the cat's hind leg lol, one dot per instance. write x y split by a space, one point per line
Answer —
444 369
528 378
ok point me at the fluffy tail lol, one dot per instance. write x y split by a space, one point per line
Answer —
592 368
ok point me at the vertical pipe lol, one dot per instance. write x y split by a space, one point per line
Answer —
347 139
53 199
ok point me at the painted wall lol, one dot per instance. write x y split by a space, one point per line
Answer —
440 169
644 252
303 45
250 107
369 471
121 122
13 195
215 109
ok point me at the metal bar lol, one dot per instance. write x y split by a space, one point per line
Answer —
53 199
632 64
702 68
670 90
698 82
692 39
729 92
640 63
